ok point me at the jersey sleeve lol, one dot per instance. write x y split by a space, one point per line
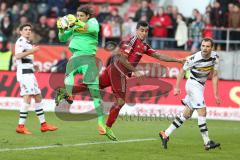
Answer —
216 63
149 50
19 47
93 25
63 37
189 63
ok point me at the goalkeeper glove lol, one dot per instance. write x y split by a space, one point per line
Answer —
80 23
71 19
59 26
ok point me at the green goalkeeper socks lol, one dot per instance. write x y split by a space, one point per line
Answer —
97 100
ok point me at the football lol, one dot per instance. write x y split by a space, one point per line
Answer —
64 22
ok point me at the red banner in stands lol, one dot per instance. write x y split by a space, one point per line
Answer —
49 55
229 90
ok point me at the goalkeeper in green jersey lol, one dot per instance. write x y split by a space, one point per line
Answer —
83 32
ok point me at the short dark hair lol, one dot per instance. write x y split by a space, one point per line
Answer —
208 40
142 23
87 10
25 25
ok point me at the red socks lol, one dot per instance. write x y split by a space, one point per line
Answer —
113 114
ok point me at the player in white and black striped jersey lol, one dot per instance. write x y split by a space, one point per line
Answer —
201 64
28 84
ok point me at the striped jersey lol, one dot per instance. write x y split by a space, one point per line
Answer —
22 45
200 67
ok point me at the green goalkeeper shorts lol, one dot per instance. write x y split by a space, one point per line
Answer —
85 65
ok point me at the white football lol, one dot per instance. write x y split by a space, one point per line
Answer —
64 22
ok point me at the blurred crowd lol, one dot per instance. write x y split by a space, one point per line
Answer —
169 28
41 13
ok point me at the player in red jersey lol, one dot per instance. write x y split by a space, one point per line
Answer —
115 75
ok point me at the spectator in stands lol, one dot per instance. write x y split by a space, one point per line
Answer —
144 12
28 12
160 22
103 14
181 35
234 22
6 27
208 29
23 20
195 13
41 28
15 13
227 14
172 12
61 64
5 57
56 5
3 9
116 21
10 2
51 38
128 28
35 37
224 4
42 8
234 18
206 15
102 18
71 6
169 9
195 32
53 12
216 18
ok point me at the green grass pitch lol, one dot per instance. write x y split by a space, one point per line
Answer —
138 140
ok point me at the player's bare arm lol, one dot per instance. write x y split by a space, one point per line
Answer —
26 53
166 58
215 86
123 59
179 79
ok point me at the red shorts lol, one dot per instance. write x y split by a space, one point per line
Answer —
111 76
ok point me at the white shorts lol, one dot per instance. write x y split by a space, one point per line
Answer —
28 84
194 98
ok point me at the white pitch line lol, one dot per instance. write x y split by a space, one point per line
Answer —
75 145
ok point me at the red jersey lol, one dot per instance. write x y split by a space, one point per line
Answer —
165 21
134 49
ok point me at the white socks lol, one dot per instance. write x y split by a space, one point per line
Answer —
23 113
203 128
178 121
39 112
